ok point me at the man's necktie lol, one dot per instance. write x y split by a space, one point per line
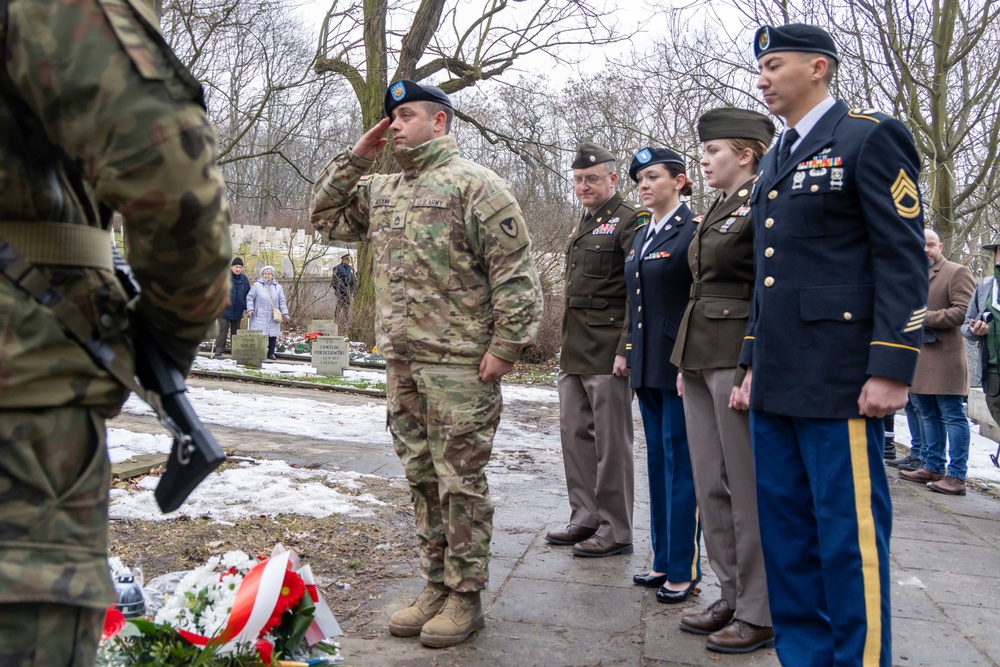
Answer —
788 137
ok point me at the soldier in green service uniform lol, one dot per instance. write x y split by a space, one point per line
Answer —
457 298
96 114
595 402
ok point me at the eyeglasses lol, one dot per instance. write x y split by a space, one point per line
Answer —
589 180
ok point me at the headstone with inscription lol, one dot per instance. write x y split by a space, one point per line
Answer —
249 347
330 355
325 327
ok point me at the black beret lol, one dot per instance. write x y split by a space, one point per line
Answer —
732 123
405 90
794 37
236 262
650 155
589 154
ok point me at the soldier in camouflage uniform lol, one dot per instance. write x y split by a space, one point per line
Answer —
96 114
458 298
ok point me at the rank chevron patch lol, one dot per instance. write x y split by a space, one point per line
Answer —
905 196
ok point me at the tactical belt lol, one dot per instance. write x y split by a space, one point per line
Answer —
593 302
59 243
728 290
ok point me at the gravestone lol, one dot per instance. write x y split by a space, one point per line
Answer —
325 327
330 355
249 347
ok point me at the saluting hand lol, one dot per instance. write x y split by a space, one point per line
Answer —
881 396
373 141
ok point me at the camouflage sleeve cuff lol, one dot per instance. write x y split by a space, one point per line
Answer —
505 349
356 160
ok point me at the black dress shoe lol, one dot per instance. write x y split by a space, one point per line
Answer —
648 580
671 597
573 534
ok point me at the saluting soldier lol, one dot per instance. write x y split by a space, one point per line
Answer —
707 352
595 402
458 299
832 343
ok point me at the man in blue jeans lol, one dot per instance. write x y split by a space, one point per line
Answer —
942 376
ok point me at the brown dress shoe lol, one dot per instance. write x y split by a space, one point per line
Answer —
716 617
921 475
740 637
598 547
953 486
574 533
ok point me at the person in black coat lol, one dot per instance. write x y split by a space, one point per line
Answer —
659 282
229 323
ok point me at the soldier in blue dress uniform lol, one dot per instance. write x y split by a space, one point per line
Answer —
832 342
658 281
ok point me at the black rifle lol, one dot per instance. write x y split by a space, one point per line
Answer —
195 452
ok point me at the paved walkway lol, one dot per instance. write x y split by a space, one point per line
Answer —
545 607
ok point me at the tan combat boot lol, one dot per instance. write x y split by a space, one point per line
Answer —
409 621
461 616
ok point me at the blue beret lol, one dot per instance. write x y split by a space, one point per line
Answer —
405 90
649 156
794 37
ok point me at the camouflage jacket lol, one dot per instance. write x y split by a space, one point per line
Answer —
454 276
97 114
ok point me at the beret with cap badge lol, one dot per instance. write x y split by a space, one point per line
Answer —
405 90
794 37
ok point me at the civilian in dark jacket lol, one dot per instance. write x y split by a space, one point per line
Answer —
229 323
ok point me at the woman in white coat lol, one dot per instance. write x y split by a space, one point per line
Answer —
265 296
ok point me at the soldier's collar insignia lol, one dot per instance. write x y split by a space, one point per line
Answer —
398 91
644 156
905 196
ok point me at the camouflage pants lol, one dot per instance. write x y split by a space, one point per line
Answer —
442 420
54 578
49 635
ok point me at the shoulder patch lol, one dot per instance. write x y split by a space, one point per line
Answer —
642 219
493 204
874 115
698 218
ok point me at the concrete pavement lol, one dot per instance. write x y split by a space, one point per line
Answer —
545 607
